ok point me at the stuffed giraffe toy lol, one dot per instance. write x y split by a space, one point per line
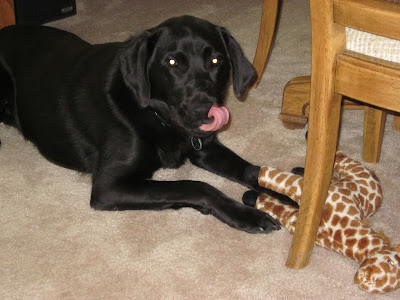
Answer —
354 194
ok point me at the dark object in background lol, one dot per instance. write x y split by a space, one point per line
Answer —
42 11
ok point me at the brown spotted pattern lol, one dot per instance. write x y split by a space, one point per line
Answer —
354 194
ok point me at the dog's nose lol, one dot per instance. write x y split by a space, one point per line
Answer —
200 111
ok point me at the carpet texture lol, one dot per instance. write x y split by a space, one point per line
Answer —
54 246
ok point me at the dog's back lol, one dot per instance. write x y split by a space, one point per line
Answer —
38 60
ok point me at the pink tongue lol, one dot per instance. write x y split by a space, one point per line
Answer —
221 117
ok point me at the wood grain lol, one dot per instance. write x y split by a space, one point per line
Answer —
7 16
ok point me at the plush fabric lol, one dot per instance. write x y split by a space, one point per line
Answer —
373 45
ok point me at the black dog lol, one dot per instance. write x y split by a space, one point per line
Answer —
121 111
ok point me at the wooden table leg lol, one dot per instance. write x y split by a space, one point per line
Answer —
7 16
267 30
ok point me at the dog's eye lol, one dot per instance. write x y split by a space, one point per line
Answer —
172 62
215 61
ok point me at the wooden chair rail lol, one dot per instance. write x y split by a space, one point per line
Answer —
374 16
368 79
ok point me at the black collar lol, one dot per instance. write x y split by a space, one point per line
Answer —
197 144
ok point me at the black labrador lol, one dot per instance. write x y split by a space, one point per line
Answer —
121 111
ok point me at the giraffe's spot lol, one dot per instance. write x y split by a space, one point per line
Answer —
268 205
350 166
340 207
372 184
362 182
339 184
335 197
292 190
369 261
290 181
355 223
378 202
349 253
397 258
364 175
273 173
281 178
335 220
363 232
277 210
352 211
358 256
326 215
380 282
351 186
348 233
388 289
344 191
385 266
371 197
327 243
263 172
363 243
339 157
338 236
350 242
376 242
347 200
344 221
357 169
363 191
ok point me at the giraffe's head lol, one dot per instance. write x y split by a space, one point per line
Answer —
380 272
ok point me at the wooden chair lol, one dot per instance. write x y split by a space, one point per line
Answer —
296 98
7 16
336 72
266 34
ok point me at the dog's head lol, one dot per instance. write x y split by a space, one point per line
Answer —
182 67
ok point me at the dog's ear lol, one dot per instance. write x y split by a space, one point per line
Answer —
133 69
243 72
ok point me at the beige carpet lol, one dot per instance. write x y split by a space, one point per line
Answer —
53 246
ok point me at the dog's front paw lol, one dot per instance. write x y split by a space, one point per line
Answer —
251 174
298 171
249 198
254 221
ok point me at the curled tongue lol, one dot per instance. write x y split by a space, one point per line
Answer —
220 115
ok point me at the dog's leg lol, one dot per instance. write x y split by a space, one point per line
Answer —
220 160
6 96
130 193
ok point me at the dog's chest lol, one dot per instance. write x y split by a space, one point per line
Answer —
171 148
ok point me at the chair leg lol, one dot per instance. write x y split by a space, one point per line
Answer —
267 31
328 39
323 131
6 13
374 125
397 122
